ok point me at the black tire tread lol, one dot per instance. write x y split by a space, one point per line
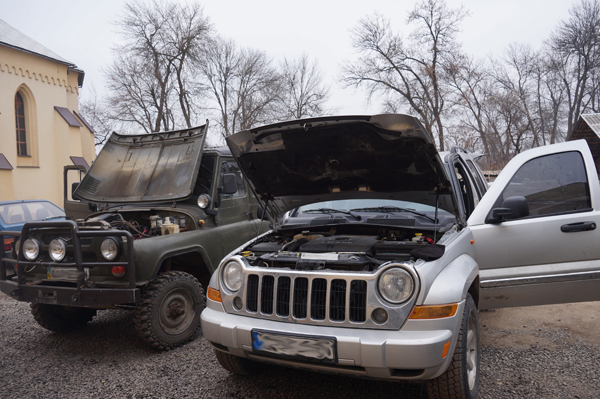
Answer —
237 365
46 317
449 385
142 319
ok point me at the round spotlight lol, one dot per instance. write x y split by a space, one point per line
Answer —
57 249
31 249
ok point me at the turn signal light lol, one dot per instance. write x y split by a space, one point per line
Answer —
118 271
446 348
434 312
8 243
214 295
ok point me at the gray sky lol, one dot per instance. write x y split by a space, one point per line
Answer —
82 31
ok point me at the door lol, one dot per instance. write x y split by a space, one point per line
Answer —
235 218
551 254
74 207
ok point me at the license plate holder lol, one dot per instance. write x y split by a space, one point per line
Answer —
69 274
320 349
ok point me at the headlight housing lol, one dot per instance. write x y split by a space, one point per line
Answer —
110 248
204 201
57 249
396 285
233 275
31 249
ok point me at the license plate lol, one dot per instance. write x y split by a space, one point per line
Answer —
302 347
65 273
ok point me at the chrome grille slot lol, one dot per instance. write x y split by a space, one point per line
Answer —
337 300
283 296
318 304
266 295
300 297
358 301
252 293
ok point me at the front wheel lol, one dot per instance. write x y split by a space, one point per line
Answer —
61 319
461 380
168 314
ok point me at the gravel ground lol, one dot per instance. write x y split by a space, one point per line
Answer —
106 359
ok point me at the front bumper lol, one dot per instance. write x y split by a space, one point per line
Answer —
76 293
412 353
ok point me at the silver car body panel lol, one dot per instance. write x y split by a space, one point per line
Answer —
531 261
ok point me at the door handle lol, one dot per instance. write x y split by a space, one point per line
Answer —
575 227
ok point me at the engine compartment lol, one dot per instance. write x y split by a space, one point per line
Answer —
335 249
143 224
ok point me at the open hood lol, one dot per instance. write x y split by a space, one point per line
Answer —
145 168
305 161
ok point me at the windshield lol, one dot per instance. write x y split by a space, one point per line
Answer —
361 205
22 212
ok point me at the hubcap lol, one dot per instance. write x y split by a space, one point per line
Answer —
176 311
471 352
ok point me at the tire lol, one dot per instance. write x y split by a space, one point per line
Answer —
61 319
168 314
238 365
461 380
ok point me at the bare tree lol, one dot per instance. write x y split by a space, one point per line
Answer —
575 49
151 80
304 93
410 73
242 84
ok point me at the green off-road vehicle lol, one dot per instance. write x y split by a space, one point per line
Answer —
150 221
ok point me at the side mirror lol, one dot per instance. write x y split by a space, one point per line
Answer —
229 184
512 208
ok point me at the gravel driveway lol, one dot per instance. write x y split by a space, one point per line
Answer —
106 359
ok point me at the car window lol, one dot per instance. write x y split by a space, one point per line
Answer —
552 184
205 176
29 211
232 167
481 184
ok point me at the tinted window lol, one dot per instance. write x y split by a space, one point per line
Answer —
551 184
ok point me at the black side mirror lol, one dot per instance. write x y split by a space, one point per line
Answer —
229 183
512 208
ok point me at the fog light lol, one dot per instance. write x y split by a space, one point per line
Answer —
31 249
237 302
57 249
379 315
118 271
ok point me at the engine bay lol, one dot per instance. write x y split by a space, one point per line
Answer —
335 250
143 224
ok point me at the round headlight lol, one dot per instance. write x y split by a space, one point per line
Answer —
110 248
396 285
233 276
204 201
57 249
31 249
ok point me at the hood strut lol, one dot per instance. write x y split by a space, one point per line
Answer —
437 198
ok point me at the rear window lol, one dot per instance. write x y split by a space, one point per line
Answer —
29 211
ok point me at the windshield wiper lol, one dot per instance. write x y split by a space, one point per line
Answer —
331 210
53 217
391 209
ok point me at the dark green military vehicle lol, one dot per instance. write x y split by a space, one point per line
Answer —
150 222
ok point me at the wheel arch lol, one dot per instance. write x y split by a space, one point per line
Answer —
194 262
451 285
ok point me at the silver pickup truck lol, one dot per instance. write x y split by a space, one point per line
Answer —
383 250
